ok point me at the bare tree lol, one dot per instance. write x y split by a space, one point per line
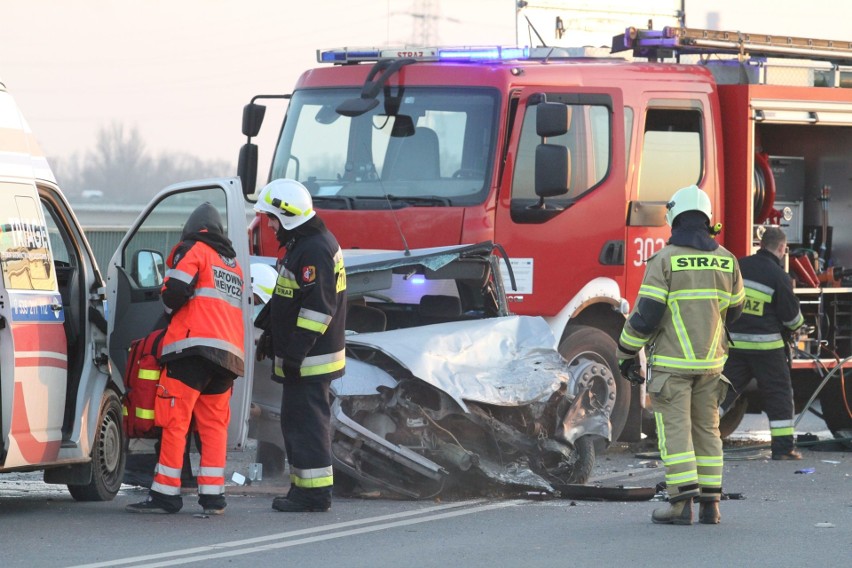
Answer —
120 167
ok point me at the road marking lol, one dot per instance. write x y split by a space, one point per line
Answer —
397 520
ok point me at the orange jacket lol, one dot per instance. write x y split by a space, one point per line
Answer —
210 322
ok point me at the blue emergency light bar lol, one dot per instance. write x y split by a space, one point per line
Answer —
358 54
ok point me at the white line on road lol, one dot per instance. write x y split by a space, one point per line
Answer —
209 552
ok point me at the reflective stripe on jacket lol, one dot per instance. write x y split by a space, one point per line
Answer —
210 323
685 295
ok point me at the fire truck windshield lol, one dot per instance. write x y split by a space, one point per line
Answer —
420 146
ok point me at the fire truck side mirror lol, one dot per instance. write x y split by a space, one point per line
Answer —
247 168
252 119
552 170
552 119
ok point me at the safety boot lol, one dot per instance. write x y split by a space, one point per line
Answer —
708 513
677 513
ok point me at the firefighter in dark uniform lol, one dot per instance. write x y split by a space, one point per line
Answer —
690 289
758 348
307 323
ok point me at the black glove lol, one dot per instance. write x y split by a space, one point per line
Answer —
263 349
630 370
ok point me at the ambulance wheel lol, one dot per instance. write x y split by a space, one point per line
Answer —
592 344
107 454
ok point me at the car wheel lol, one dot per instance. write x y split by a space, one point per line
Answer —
107 454
585 448
582 341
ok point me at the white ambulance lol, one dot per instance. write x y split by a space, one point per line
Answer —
65 331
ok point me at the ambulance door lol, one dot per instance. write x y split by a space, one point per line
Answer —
137 269
33 345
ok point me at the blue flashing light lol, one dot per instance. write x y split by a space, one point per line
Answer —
483 54
486 53
418 279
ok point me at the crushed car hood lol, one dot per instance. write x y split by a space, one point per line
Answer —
505 361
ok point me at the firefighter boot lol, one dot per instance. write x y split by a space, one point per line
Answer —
677 513
708 512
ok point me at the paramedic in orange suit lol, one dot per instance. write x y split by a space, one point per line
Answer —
202 354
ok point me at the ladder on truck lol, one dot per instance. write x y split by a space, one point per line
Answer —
658 44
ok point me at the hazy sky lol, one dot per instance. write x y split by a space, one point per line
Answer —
181 70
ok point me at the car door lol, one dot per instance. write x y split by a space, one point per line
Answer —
136 270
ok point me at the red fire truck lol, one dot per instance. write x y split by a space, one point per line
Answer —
568 161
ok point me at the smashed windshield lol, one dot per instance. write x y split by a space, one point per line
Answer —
417 147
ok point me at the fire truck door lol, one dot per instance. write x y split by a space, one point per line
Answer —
33 344
670 152
556 243
136 271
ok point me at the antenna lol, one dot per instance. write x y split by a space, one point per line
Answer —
395 219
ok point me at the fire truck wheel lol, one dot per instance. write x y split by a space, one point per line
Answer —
107 454
835 411
590 342
731 420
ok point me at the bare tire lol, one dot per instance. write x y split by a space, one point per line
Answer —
585 447
834 406
582 341
731 420
107 454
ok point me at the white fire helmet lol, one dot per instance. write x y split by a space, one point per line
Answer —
690 198
263 278
288 200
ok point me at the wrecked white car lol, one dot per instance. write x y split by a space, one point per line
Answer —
445 390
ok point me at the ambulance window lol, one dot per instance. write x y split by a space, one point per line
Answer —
24 246
671 153
161 230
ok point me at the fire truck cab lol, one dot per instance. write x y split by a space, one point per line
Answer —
568 162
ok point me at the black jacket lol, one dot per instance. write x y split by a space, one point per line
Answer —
770 308
308 307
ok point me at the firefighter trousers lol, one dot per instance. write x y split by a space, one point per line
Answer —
772 372
208 401
306 425
686 410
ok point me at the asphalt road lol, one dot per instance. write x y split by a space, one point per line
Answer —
784 519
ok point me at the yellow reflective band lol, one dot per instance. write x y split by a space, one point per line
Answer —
675 478
661 435
124 411
628 339
717 335
781 431
796 322
710 461
311 325
702 262
149 375
145 413
680 331
679 458
713 480
757 345
314 370
678 363
653 292
757 295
